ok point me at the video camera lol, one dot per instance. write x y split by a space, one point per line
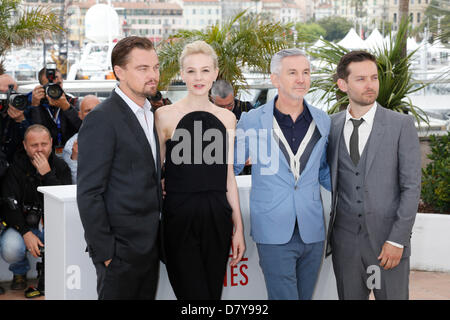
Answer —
11 97
53 90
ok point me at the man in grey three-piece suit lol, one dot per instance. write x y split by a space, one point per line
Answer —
374 156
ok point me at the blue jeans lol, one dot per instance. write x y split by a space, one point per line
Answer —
291 270
14 252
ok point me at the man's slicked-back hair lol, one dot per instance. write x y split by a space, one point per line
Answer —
342 71
121 51
275 63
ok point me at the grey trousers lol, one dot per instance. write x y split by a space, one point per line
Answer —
357 269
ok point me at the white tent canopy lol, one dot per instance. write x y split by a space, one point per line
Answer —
375 40
318 44
352 41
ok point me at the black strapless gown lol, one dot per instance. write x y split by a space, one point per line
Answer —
196 219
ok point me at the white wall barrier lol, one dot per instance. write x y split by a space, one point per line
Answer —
70 273
430 242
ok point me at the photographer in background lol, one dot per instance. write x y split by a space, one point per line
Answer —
58 114
34 166
222 95
13 123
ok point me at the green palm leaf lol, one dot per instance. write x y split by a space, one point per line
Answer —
240 42
22 26
395 77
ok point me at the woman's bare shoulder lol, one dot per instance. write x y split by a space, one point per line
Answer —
226 116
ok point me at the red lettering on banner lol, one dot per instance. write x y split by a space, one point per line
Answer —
243 283
233 276
238 275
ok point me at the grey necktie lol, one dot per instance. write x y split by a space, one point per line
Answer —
354 141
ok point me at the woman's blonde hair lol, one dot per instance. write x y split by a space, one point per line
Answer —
196 47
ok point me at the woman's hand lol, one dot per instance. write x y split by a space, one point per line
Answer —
238 247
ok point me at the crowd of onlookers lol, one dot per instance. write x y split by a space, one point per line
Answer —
33 137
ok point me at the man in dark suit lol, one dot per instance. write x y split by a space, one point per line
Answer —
119 190
374 156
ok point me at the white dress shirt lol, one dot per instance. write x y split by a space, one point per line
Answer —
364 131
145 118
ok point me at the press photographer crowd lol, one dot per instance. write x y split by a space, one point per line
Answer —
38 134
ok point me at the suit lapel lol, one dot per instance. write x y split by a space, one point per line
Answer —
376 136
320 126
337 127
158 157
267 123
315 113
133 124
336 130
158 164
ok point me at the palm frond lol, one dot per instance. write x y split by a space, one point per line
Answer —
395 77
21 26
243 41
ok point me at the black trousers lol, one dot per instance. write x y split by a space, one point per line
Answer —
197 239
123 280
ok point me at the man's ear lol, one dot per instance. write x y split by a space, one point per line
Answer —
342 85
275 79
118 71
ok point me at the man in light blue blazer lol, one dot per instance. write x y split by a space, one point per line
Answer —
286 141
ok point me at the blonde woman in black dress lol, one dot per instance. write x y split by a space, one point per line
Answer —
201 214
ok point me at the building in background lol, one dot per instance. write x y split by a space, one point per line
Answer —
377 13
158 19
416 12
199 14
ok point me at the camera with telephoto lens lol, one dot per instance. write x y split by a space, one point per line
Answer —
53 90
33 215
11 97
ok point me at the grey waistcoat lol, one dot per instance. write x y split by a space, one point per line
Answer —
350 203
